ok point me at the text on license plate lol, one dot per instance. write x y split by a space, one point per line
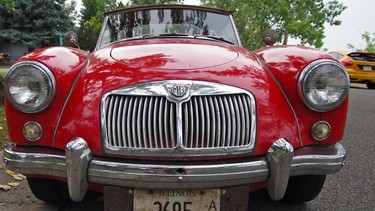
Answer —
367 68
176 200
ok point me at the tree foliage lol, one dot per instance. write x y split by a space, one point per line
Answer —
369 39
33 22
301 19
70 10
92 17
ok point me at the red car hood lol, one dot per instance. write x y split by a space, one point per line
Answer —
164 54
135 62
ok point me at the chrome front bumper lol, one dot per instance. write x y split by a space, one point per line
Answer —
79 168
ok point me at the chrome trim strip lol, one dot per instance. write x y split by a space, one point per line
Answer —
316 160
161 90
101 35
67 99
236 31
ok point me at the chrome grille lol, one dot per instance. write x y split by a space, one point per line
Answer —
140 122
216 121
207 120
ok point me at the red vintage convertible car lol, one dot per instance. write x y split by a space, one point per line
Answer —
171 108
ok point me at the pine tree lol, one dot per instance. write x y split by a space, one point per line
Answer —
34 23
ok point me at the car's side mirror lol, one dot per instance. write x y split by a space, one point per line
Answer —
269 37
71 39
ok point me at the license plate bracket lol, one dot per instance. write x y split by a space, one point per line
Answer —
164 199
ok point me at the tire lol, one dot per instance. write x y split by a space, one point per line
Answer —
48 190
371 85
304 188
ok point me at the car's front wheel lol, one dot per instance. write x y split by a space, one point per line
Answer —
371 85
48 190
303 188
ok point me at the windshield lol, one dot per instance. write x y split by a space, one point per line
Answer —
174 22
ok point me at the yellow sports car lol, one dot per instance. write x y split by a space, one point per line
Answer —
360 66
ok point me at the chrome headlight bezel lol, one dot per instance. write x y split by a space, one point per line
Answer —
331 95
30 78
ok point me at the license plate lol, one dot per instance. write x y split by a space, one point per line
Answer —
176 200
367 68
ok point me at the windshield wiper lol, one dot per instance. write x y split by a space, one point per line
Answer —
214 38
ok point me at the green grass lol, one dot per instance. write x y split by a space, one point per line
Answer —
4 137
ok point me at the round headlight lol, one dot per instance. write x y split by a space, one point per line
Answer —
323 85
29 86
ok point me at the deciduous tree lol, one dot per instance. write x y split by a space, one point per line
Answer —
300 19
92 17
369 39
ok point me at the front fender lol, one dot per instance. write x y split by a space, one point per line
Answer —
286 67
65 64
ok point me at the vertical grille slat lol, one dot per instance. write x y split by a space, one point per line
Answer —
240 120
192 125
155 123
128 123
232 121
172 125
144 123
133 122
136 122
218 122
223 121
139 123
213 122
197 123
109 122
208 123
247 117
159 126
118 107
149 122
123 120
185 125
202 123
166 125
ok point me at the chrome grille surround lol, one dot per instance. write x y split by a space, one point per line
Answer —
178 118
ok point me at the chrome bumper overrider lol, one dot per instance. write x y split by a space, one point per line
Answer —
79 168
